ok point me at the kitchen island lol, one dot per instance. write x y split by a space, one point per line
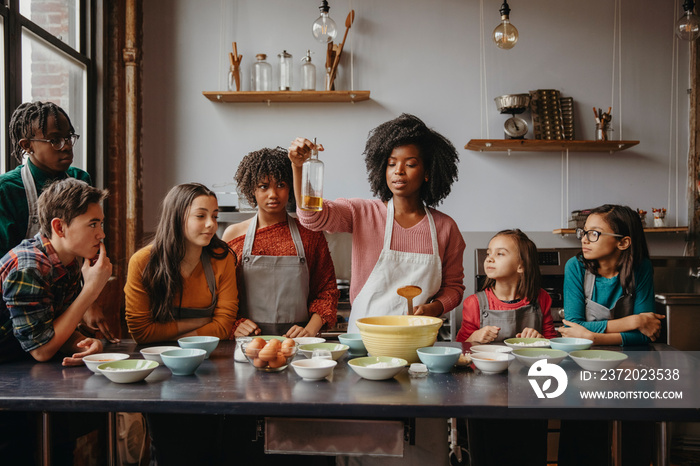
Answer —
224 386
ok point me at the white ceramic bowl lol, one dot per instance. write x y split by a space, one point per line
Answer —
94 360
492 363
153 353
516 343
314 369
336 349
309 340
183 361
529 356
208 344
491 349
377 367
570 344
597 360
127 370
398 336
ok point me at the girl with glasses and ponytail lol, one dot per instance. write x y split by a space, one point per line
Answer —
609 285
609 298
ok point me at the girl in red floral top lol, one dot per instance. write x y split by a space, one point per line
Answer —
283 289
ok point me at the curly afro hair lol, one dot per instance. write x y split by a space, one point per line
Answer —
27 118
262 164
439 156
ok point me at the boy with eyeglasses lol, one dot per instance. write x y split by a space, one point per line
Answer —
44 133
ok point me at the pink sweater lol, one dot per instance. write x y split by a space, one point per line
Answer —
366 220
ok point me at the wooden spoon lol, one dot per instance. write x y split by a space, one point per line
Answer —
348 22
409 292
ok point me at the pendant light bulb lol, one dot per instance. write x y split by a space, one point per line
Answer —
688 26
324 28
505 35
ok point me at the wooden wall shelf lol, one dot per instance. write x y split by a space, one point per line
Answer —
571 231
286 96
541 145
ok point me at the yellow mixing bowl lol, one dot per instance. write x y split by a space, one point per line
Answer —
398 336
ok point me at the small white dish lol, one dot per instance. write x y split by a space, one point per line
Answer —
314 369
309 340
377 367
516 343
570 344
336 349
153 353
529 356
491 349
127 370
492 363
94 360
597 360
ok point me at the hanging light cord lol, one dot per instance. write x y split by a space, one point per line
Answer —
617 60
483 111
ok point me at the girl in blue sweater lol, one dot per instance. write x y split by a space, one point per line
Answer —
609 298
609 285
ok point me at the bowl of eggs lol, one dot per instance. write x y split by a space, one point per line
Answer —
272 355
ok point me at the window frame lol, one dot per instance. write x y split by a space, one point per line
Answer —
86 53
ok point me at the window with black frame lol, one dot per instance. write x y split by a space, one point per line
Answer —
47 55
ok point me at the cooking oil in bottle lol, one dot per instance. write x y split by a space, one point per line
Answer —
312 182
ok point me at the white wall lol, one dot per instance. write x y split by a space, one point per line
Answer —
423 57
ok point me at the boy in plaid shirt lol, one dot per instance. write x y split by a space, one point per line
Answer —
43 299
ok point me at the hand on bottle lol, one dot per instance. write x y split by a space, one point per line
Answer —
300 150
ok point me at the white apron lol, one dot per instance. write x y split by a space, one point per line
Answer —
393 270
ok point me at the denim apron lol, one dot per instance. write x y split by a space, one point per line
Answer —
594 311
276 288
30 191
193 313
511 322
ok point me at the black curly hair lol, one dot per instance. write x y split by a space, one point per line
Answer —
261 164
27 117
439 156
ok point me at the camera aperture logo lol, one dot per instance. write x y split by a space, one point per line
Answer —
543 370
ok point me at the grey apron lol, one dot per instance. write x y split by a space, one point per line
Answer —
30 191
191 312
510 322
275 289
594 311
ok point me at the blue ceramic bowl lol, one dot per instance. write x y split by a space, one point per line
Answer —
570 344
208 344
354 341
439 359
183 361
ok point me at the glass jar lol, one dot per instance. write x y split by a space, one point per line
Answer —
285 71
261 77
308 73
603 132
312 182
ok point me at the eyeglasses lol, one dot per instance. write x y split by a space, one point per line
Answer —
60 143
593 235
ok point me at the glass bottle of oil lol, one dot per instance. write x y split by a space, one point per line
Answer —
312 182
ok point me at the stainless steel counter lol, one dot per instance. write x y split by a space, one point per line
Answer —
221 385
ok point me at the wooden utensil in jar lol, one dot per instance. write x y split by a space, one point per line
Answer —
409 292
348 22
235 60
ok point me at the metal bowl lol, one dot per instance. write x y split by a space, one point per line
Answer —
512 103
